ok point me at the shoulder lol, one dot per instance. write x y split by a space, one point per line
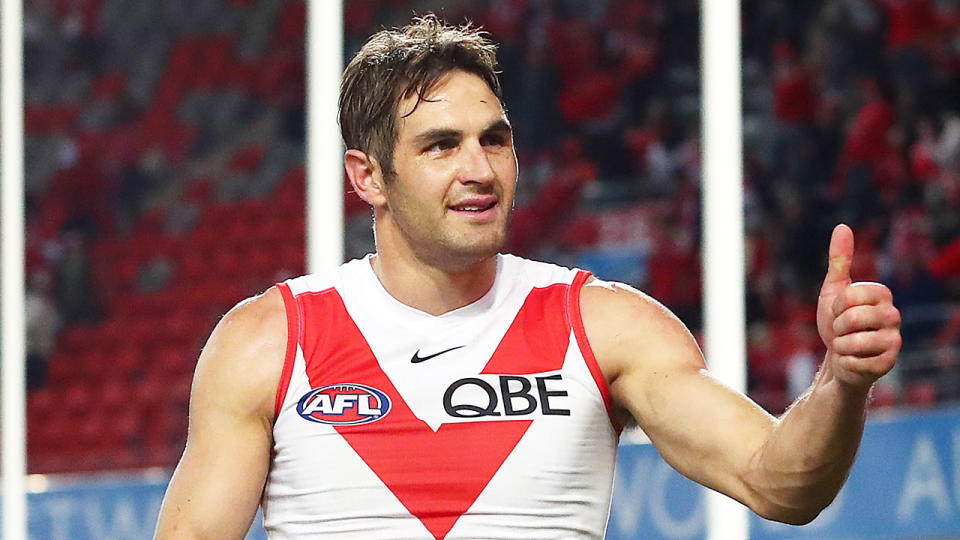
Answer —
257 316
241 363
630 331
611 297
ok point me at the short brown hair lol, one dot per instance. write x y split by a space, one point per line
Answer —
393 65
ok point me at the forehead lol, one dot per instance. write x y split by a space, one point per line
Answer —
460 100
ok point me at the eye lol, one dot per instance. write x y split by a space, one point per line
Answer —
493 139
441 145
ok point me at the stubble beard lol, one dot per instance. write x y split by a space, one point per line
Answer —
451 248
456 250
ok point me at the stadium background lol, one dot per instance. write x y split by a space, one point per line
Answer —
165 181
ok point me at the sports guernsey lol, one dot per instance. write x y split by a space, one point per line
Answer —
489 421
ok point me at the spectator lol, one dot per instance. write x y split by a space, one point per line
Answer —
74 289
43 323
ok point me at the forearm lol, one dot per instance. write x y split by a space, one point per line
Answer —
808 454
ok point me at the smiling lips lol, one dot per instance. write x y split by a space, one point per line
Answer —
476 206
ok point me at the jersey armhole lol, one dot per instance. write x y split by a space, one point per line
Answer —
576 321
293 337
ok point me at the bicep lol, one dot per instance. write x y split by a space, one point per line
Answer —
656 372
216 487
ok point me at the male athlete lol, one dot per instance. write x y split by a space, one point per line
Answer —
437 389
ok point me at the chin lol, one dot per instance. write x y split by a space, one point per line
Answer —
464 254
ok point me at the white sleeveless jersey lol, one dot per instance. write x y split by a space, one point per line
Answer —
490 421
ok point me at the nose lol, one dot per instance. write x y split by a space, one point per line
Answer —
476 166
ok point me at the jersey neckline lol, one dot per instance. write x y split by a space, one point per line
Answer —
484 303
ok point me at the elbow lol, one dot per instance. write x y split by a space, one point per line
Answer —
800 514
794 498
791 516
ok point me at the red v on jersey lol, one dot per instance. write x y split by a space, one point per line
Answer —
438 475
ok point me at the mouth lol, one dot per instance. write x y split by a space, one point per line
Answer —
476 207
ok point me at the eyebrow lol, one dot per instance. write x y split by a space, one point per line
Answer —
499 126
435 134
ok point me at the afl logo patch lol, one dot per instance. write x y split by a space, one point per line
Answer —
345 404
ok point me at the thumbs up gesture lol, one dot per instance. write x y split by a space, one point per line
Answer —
857 321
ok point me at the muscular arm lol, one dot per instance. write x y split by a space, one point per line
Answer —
785 469
215 490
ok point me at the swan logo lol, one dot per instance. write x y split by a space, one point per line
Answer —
345 404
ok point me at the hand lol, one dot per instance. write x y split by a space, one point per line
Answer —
857 321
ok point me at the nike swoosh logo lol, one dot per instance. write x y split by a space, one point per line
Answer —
416 359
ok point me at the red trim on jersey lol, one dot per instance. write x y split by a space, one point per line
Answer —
438 475
576 319
518 353
293 337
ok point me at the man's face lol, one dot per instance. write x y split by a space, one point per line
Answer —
456 172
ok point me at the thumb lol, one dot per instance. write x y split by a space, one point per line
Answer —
841 257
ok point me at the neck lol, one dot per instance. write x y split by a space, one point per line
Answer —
431 289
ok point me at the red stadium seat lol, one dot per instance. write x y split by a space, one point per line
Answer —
921 394
114 393
76 400
126 361
62 370
247 159
124 431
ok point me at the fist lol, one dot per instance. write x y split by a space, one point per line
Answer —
857 322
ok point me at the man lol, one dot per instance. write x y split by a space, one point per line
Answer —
437 389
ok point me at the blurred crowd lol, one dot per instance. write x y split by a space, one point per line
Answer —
853 114
165 177
164 182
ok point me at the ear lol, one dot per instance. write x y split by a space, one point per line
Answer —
365 177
